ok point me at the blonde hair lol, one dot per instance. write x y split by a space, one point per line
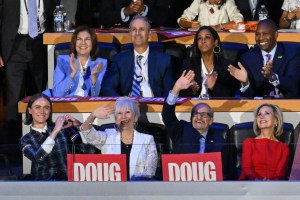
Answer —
278 115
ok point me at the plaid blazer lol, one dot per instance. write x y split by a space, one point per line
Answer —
52 166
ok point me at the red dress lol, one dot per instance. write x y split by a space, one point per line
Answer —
264 159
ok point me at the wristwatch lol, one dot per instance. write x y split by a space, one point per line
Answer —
273 77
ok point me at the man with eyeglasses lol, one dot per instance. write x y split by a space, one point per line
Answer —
194 136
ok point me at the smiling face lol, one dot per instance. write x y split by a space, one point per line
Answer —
201 119
265 118
206 42
40 111
266 36
139 33
125 119
83 44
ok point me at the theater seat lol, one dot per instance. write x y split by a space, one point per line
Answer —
232 51
157 46
178 53
219 128
239 132
160 138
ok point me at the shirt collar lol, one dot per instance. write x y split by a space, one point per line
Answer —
44 130
145 54
272 52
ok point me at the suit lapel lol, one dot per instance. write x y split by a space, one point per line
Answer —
278 59
134 153
209 142
151 70
128 72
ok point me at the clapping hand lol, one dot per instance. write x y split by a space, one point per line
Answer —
195 87
211 80
240 74
95 71
267 70
73 65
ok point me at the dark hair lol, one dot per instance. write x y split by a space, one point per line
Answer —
196 54
142 18
270 23
28 117
220 4
80 29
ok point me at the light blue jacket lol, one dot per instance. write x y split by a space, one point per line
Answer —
64 85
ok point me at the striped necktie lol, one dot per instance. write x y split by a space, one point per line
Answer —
137 77
32 19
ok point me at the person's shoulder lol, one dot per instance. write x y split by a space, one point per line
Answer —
160 54
63 57
144 136
249 140
123 55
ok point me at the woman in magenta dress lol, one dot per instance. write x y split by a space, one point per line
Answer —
265 157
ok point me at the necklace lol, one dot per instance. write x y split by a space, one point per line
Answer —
127 141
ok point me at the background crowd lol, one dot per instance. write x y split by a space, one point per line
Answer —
265 70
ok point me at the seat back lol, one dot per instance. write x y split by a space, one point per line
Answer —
232 51
157 46
239 132
219 128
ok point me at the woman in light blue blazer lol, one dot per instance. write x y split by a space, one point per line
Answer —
81 72
140 148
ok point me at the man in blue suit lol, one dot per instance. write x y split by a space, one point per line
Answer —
194 136
270 68
156 73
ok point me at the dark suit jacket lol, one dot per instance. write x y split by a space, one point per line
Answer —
185 138
273 7
244 7
225 85
10 20
286 64
118 79
52 166
159 12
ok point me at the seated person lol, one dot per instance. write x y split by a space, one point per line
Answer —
290 17
48 144
265 157
120 12
268 69
216 13
194 136
249 9
209 66
140 149
81 73
141 71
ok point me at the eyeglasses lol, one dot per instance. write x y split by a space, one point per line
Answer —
201 114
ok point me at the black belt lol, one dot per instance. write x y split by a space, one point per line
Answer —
27 36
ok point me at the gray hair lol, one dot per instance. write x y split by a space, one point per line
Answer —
278 115
127 102
200 105
144 18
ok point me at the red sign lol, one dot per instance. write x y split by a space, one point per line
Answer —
97 167
192 167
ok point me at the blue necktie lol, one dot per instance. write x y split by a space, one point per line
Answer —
137 77
32 19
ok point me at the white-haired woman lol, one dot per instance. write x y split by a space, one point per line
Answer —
140 149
